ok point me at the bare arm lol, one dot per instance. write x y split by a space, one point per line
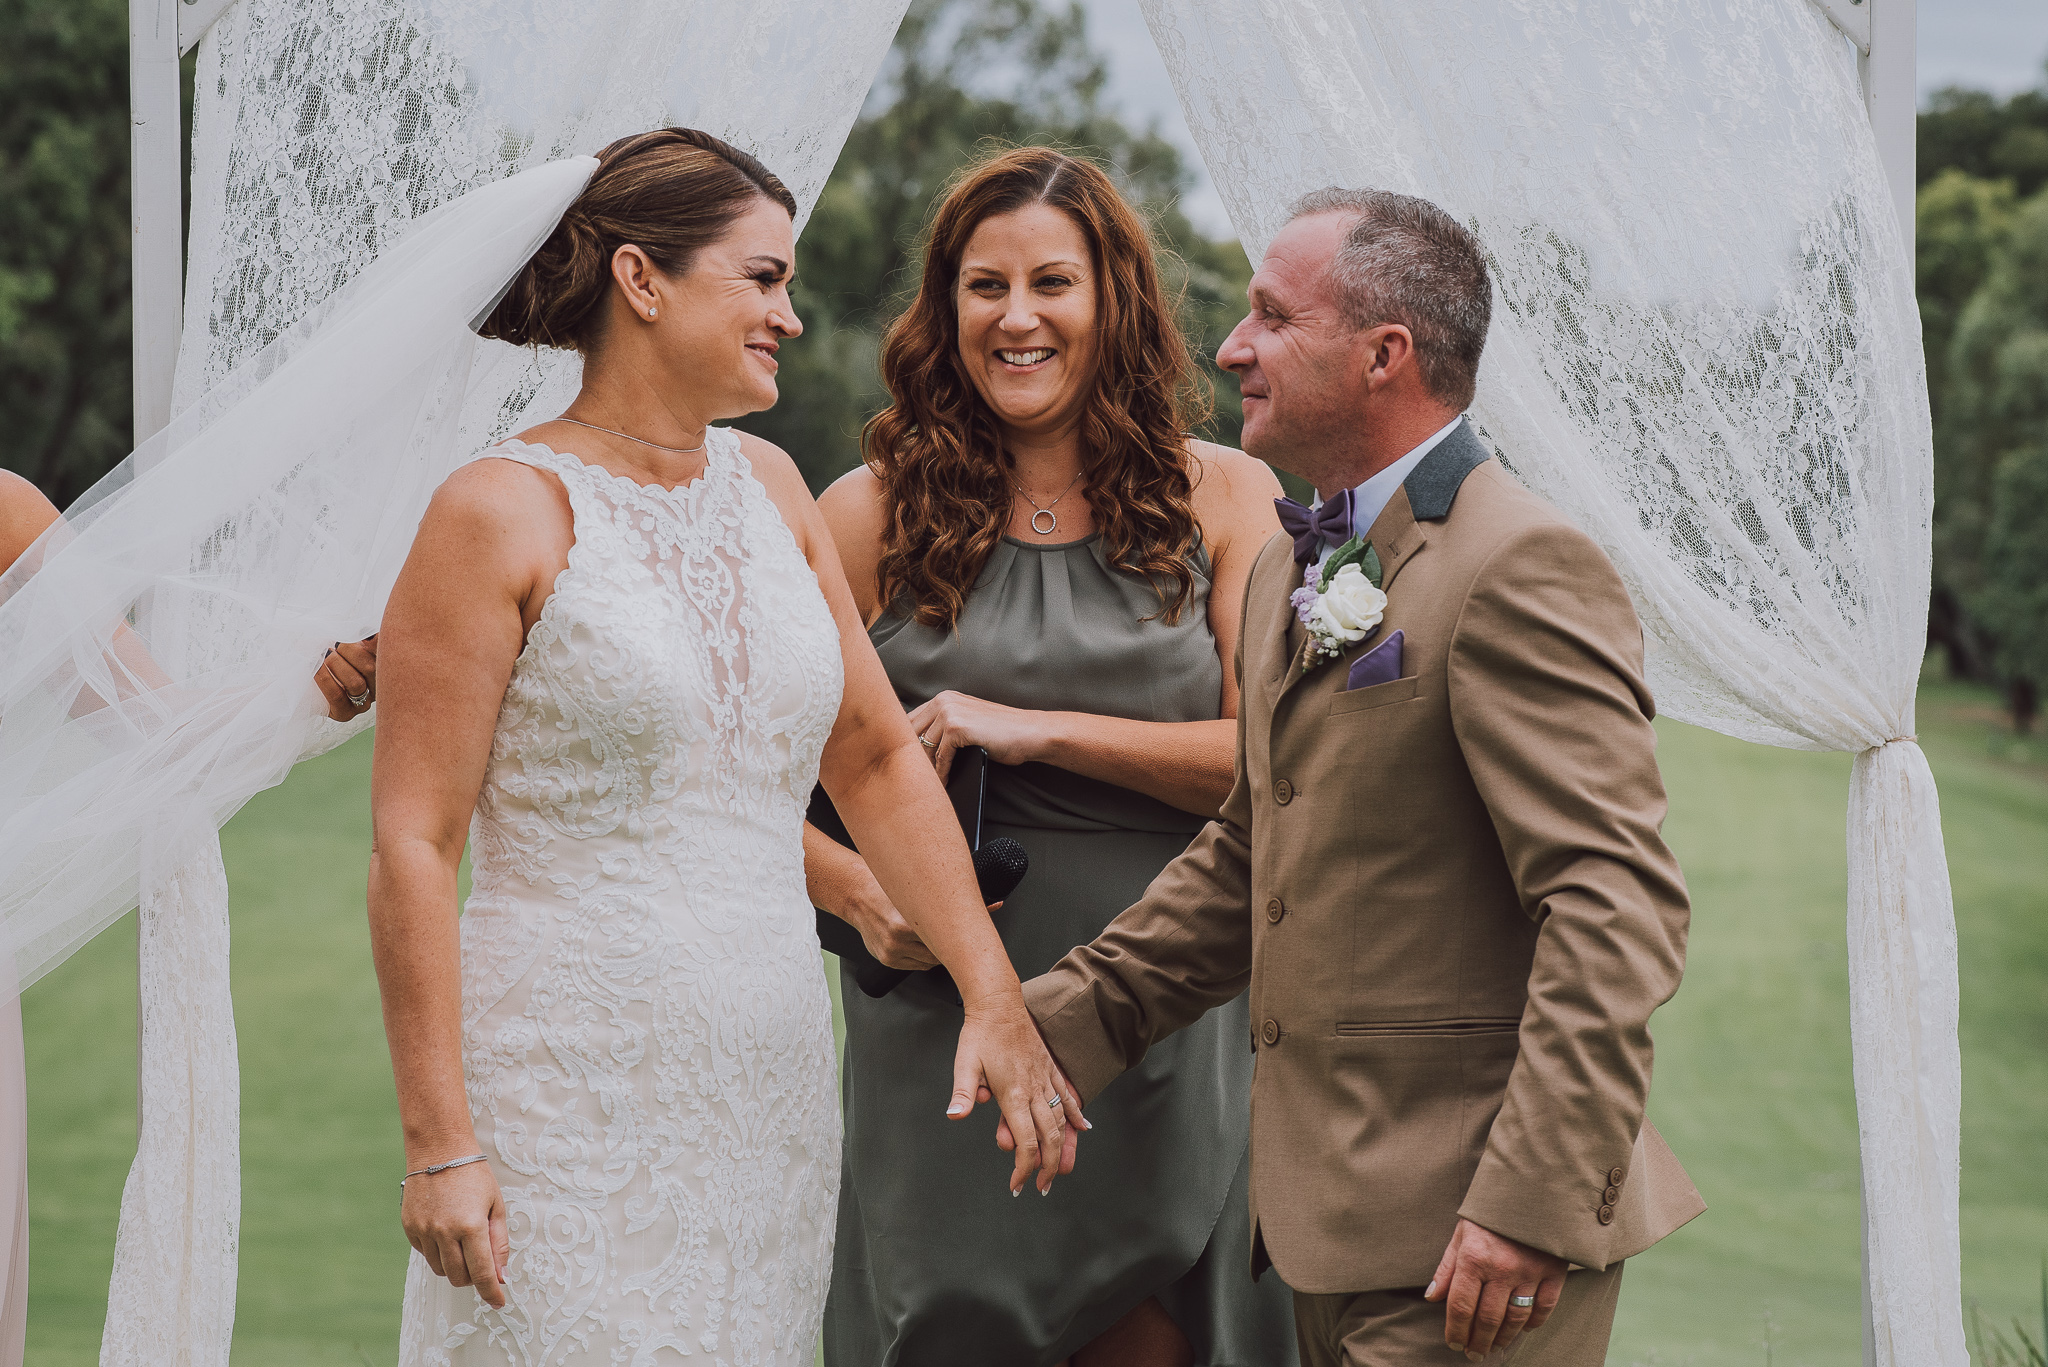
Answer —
1187 764
24 515
456 622
892 803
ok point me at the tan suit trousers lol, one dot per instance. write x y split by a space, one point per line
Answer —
1400 1329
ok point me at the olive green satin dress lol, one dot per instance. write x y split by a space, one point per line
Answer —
936 1265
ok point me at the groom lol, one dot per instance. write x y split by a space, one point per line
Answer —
1440 869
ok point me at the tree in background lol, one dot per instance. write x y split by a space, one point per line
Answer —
1963 223
965 75
2014 601
1986 137
1982 275
1994 433
64 365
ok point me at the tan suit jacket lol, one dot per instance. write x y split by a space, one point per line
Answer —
1449 895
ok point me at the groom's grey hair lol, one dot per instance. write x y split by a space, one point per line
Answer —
1406 261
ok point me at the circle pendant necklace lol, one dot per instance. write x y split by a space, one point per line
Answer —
1052 522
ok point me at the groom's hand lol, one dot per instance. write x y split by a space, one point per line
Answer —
1479 1274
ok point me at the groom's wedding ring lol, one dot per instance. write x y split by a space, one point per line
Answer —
1521 1302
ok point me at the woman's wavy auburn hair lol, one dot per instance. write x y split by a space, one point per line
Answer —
937 448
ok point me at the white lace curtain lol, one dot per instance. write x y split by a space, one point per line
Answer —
1705 350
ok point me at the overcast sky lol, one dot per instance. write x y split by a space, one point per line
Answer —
1994 45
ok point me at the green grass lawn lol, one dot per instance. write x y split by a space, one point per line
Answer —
1753 1086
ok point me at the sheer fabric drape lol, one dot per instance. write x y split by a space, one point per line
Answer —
156 646
1705 351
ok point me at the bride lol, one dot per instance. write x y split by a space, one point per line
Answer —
618 656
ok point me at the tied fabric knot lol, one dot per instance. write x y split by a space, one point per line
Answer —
1313 528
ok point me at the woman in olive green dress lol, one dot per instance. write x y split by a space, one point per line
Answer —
1052 570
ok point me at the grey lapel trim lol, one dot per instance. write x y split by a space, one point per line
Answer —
1434 484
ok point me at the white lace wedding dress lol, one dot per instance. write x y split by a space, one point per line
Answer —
647 1034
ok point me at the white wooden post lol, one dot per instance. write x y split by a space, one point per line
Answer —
156 208
1891 76
1886 36
159 33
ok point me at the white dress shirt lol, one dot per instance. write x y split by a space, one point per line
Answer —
1370 499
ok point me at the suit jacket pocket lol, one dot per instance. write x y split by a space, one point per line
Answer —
1379 695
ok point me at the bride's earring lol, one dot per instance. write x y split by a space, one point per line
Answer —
650 315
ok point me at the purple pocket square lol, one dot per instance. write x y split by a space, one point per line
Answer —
1381 664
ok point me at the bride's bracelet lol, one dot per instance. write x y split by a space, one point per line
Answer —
440 1167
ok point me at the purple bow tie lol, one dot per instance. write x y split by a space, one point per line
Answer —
1312 528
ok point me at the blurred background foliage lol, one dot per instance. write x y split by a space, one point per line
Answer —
968 75
1983 287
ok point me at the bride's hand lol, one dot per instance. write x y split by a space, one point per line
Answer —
1011 735
1001 1052
1069 1138
456 1219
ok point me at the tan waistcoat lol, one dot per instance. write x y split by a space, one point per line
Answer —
1449 895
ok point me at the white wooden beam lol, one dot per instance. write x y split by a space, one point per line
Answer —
1851 17
156 154
195 17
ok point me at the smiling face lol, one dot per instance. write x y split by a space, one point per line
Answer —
720 323
1026 303
1296 358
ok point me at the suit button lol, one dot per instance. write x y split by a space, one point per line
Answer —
1607 1215
1283 791
1270 1032
1275 909
1612 1195
1614 1178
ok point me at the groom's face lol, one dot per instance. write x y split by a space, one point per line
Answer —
1293 352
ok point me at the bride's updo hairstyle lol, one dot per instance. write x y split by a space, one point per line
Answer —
671 192
938 450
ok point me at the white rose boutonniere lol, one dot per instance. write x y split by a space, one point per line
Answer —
1340 603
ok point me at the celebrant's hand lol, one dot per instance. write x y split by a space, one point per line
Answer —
1480 1277
1002 1057
1011 735
348 678
456 1219
889 937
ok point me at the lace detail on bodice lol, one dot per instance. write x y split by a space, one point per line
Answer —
647 1035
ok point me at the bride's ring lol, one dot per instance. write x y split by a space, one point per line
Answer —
1521 1302
1054 1103
361 699
927 744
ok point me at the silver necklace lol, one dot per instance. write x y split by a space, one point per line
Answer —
675 450
1052 522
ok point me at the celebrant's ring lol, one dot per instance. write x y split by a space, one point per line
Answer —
927 744
1521 1302
361 699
